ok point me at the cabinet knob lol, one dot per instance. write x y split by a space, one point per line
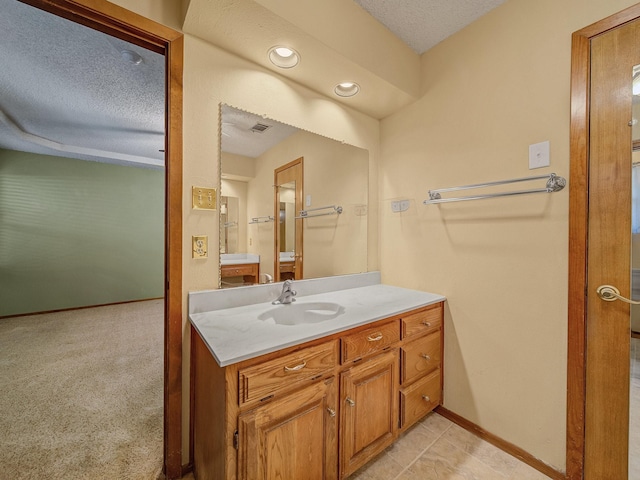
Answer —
425 356
351 402
426 398
296 368
375 337
332 412
426 324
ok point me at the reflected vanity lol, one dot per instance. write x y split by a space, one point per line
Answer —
262 214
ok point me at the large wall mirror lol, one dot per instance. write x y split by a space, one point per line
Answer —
313 224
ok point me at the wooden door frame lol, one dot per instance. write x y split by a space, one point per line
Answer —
578 233
299 265
124 24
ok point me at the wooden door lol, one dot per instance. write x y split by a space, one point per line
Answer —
603 60
613 56
369 406
294 437
288 178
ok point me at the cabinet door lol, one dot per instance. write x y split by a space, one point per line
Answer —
291 438
369 410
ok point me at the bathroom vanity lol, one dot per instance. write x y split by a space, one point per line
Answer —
314 389
241 265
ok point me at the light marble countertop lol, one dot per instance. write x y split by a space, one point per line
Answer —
238 258
235 334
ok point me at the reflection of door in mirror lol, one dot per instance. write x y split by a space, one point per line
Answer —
229 238
288 234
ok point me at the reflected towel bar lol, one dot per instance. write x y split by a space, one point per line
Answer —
337 210
554 184
264 219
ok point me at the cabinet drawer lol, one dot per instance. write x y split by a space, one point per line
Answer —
419 399
420 356
287 267
237 270
422 322
265 379
369 341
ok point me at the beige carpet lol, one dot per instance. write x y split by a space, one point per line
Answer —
81 394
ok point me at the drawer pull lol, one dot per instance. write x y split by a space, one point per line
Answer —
332 412
426 324
378 337
351 402
425 356
296 368
426 398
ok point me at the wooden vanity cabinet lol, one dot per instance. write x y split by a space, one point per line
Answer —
250 272
369 418
316 411
293 437
421 364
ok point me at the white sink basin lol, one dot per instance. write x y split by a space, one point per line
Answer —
302 313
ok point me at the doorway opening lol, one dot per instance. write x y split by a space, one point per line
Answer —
125 25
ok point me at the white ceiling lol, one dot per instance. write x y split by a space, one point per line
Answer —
66 90
239 138
422 24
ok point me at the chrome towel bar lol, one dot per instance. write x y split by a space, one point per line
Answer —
336 210
264 219
554 184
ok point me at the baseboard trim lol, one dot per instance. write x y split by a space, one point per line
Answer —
187 468
84 307
510 448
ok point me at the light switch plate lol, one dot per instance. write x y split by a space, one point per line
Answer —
539 155
203 198
200 246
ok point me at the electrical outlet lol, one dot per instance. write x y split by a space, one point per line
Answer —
400 206
200 246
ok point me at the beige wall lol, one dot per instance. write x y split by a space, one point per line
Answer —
334 174
237 235
488 92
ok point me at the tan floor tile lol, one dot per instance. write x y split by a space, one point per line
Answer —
383 467
445 461
411 444
436 423
525 472
487 453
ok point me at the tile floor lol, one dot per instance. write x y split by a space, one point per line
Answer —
436 448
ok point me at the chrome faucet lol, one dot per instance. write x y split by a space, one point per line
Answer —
287 294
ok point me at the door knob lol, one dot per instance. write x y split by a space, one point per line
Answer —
609 293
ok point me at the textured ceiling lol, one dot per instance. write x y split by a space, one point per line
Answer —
421 24
66 90
239 139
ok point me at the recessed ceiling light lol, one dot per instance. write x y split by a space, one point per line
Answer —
284 57
347 89
131 57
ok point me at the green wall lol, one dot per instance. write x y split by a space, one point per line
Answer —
75 233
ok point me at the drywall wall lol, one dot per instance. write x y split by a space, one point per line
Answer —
489 92
76 233
334 174
236 233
